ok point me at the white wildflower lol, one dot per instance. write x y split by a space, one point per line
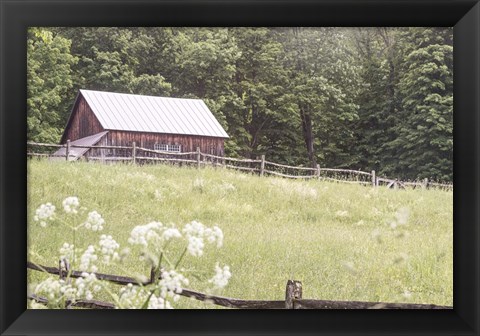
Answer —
171 233
109 247
44 213
87 259
55 289
195 246
196 232
66 252
221 277
213 235
194 229
402 216
171 284
145 234
86 285
70 205
94 221
131 297
158 303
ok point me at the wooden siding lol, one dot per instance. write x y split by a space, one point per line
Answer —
101 152
82 123
189 143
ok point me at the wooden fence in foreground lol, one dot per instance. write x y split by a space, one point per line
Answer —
293 296
260 166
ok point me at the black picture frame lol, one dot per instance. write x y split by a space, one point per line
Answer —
16 16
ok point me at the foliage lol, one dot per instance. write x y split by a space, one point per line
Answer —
360 98
49 81
425 133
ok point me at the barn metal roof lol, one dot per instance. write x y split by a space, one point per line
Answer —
91 140
128 112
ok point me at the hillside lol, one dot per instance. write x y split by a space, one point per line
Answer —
344 242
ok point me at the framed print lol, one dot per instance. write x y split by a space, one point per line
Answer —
213 47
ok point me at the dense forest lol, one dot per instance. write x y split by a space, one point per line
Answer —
359 98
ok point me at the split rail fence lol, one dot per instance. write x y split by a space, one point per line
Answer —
293 295
139 155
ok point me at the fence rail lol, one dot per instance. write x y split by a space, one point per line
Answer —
293 295
251 165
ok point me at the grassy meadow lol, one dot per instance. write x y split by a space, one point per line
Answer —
342 241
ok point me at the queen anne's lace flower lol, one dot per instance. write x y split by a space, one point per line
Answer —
87 259
158 303
66 253
152 237
132 297
56 289
213 235
195 246
171 233
196 232
145 234
94 221
171 284
194 229
221 277
70 205
87 285
44 213
109 247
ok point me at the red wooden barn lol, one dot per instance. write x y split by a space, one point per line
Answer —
156 123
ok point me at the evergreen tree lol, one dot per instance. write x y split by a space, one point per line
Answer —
376 51
425 135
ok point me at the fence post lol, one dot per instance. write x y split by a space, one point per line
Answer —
134 152
318 171
425 183
374 178
262 165
67 150
292 292
198 157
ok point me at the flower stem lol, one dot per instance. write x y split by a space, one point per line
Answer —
181 257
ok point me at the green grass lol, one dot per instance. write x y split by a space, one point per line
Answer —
337 239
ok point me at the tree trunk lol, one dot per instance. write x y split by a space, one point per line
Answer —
308 136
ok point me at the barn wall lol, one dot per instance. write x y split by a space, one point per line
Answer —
83 122
97 152
189 143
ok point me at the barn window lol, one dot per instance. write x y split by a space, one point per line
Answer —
160 147
167 148
174 148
